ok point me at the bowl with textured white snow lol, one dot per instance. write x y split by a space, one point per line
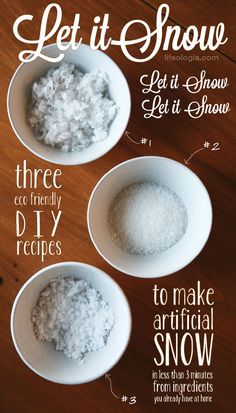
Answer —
41 356
155 216
71 112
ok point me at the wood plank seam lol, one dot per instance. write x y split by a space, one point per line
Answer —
184 28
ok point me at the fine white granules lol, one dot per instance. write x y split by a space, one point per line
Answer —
71 314
70 110
146 218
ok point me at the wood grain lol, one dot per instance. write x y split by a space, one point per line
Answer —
204 13
175 137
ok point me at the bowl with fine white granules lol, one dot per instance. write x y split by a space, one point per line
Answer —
155 216
70 323
70 112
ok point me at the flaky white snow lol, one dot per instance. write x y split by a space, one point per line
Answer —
71 110
72 315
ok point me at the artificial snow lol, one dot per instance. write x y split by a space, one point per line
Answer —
71 110
72 315
147 218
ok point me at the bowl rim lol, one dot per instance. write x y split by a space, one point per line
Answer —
48 158
114 170
14 309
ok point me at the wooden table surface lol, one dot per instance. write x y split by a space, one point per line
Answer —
172 136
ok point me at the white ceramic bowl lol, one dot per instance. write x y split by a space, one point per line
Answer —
41 357
87 60
163 171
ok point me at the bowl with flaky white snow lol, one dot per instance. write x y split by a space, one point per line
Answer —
70 112
70 323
